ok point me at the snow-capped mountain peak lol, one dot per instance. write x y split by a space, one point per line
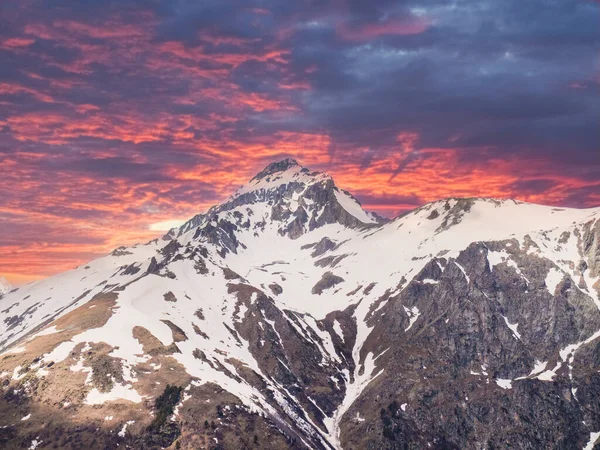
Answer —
279 167
281 173
290 195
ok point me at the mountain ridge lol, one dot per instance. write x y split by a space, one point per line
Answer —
282 166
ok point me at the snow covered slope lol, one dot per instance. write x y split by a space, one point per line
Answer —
300 306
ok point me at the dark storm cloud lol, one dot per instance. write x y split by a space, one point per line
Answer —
531 186
391 200
119 167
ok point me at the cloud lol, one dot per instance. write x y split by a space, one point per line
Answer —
166 225
369 31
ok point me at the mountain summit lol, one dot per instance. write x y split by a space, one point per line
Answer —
289 317
278 167
292 199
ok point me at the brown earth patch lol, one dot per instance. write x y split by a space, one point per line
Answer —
151 344
178 334
199 332
93 314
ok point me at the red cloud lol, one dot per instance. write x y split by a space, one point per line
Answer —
17 42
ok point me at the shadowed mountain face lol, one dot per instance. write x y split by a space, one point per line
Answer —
289 317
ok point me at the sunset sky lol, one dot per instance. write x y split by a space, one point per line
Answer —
118 116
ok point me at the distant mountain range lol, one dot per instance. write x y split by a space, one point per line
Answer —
289 317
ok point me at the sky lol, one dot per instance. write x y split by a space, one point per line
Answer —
119 118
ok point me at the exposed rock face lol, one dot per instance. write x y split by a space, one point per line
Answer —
327 281
479 360
288 317
591 248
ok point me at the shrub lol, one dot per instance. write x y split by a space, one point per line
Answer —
165 405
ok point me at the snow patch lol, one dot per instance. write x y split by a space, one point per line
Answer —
338 329
124 429
14 350
553 279
413 314
353 390
548 375
352 207
119 391
538 367
594 436
503 383
513 327
495 258
463 271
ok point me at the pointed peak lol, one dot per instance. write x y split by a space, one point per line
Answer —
284 172
299 201
276 167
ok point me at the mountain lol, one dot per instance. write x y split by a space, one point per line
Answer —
289 317
5 286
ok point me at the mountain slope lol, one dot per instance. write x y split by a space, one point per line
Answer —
292 318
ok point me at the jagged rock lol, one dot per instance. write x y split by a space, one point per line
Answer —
131 269
275 288
328 280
